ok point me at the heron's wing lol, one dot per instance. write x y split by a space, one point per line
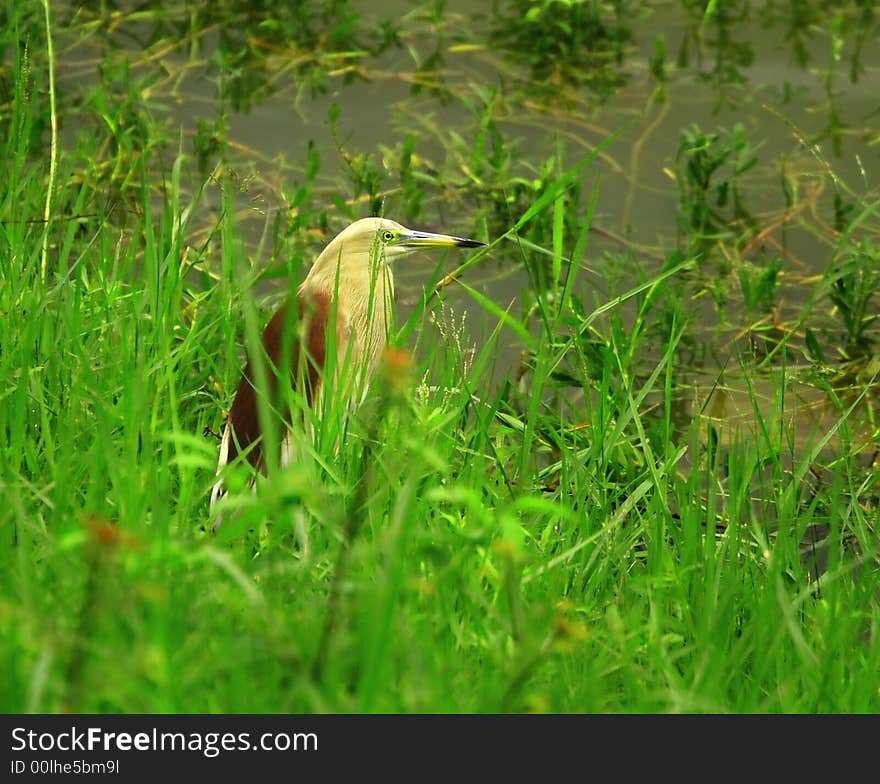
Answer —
242 434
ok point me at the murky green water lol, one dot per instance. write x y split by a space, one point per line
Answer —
801 81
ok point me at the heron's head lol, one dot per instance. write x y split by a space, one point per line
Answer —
371 242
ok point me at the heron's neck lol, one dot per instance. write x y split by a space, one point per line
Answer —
356 276
362 295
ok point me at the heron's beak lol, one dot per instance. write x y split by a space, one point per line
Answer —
424 239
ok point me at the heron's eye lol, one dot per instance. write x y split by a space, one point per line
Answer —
387 236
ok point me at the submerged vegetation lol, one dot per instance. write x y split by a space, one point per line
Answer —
623 459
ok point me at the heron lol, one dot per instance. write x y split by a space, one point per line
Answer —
343 307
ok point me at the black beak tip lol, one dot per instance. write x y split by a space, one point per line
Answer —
462 243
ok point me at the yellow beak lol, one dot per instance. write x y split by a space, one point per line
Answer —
425 239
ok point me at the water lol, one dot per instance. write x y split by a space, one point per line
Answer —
745 72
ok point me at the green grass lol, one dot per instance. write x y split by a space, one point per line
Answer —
564 535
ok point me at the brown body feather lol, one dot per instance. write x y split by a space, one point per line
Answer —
244 420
